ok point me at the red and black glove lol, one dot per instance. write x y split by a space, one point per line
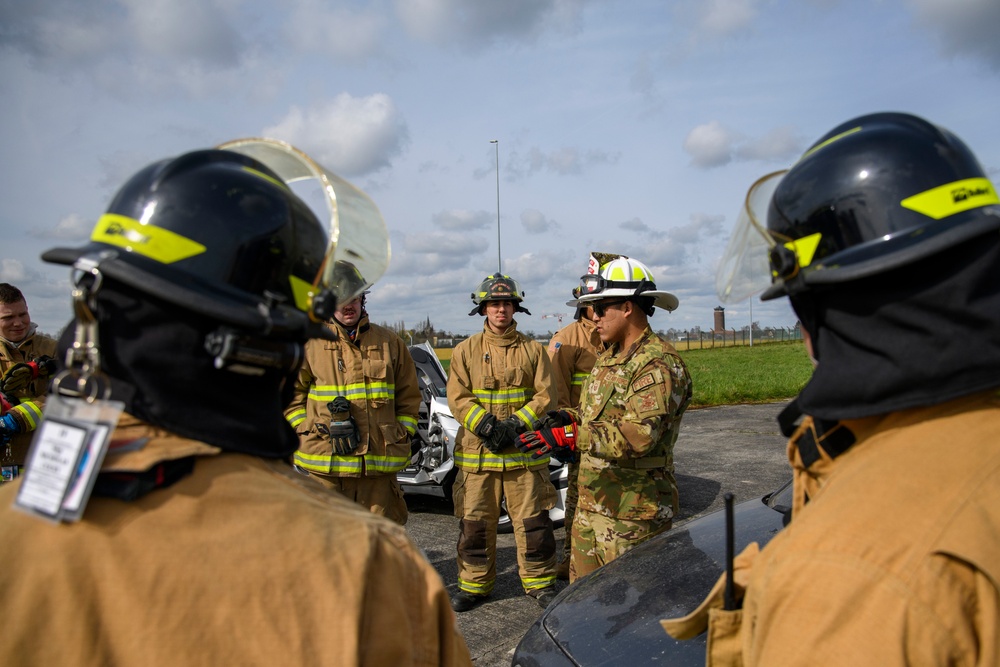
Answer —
556 437
20 375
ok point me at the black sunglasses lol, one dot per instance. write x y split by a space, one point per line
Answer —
601 306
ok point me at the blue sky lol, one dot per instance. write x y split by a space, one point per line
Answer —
632 126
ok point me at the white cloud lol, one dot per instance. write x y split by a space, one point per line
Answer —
350 135
715 145
535 222
782 143
565 161
965 27
71 228
12 271
725 17
476 25
463 220
186 30
710 145
345 34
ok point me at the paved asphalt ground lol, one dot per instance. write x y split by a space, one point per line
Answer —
735 448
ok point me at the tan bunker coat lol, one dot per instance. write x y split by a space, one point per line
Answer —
505 375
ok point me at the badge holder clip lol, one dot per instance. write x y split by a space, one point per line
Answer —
72 439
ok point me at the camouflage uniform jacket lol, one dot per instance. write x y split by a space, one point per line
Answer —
629 417
573 351
504 375
31 400
376 374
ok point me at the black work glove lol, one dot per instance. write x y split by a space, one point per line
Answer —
504 434
486 430
20 375
343 430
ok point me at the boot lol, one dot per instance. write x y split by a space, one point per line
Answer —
463 601
543 596
562 569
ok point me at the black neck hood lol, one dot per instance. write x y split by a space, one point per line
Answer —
919 335
154 355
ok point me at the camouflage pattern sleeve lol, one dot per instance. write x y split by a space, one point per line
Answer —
637 422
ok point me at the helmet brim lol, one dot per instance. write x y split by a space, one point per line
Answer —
885 254
663 300
218 302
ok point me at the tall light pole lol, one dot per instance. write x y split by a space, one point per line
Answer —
496 144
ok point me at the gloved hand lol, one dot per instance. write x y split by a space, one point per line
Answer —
8 427
504 434
343 430
556 437
22 374
485 429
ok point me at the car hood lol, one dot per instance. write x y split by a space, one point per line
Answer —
612 617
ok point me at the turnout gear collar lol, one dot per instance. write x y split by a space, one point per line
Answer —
154 357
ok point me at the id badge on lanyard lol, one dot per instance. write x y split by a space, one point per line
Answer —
66 455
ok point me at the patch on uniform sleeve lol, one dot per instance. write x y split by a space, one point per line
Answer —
643 382
554 347
648 403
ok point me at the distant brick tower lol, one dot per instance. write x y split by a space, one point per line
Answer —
720 319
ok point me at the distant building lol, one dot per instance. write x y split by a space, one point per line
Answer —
720 319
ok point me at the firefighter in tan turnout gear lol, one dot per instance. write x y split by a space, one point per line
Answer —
499 383
26 363
884 236
355 410
199 543
573 351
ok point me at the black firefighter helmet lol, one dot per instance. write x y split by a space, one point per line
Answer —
871 195
498 287
214 232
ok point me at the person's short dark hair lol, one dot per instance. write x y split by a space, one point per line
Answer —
10 294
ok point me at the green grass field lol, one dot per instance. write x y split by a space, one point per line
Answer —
729 375
758 374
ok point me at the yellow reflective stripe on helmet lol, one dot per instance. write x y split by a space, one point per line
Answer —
952 198
156 243
804 249
302 291
271 179
830 141
296 417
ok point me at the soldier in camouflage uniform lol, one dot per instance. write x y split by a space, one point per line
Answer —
573 351
627 423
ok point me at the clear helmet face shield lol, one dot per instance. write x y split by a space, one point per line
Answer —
745 268
358 242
